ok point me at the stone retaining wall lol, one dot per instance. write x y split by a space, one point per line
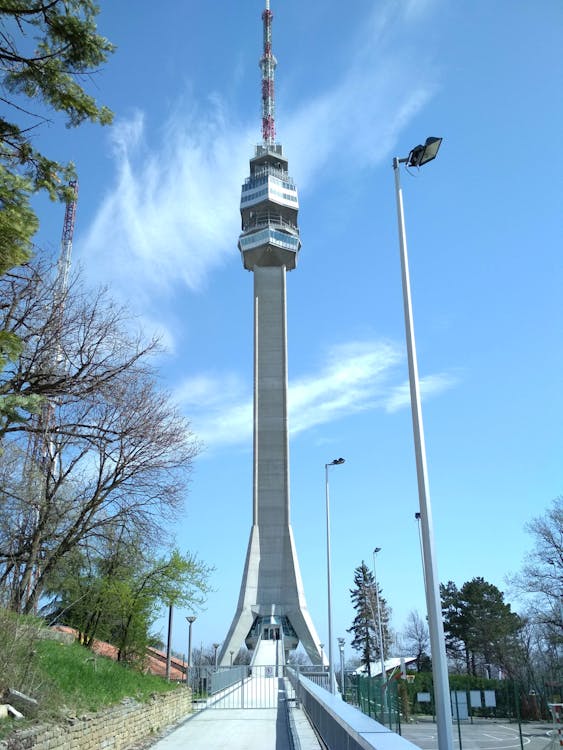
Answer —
116 728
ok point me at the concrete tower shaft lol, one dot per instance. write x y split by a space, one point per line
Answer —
272 590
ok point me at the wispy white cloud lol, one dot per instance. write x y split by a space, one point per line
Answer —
170 217
358 120
354 377
431 385
220 408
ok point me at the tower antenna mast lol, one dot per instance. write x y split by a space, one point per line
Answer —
63 264
41 446
268 66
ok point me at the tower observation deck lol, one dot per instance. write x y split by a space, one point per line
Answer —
271 599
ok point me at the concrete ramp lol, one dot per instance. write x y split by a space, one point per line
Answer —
266 654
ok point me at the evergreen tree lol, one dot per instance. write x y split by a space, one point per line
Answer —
366 624
479 624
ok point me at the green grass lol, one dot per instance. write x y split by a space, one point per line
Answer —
79 681
68 679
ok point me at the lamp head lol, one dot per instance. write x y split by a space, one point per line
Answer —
338 461
421 155
191 618
376 550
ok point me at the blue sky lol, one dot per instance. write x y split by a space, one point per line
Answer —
158 221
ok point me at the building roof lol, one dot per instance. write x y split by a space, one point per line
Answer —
392 664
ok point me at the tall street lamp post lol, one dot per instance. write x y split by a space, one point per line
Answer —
379 624
419 156
332 687
341 643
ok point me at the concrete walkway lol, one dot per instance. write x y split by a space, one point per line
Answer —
252 713
240 729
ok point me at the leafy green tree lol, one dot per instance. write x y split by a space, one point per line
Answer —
478 623
116 592
366 624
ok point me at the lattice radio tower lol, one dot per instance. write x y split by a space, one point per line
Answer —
41 446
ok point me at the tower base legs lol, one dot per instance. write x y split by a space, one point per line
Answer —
254 602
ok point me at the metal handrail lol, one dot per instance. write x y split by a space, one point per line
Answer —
264 219
267 171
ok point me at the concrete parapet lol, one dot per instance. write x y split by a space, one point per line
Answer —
342 725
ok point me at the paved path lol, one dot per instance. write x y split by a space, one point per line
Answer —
262 723
239 729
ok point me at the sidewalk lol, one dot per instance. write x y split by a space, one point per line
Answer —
240 729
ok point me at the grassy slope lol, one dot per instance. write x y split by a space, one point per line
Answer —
66 679
82 681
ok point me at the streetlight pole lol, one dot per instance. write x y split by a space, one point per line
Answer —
191 619
169 641
418 156
341 643
380 626
215 646
336 462
417 518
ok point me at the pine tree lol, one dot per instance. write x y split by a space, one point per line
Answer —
478 624
366 624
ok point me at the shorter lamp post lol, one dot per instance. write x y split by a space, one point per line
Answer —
215 647
341 642
232 653
191 619
336 462
321 646
380 627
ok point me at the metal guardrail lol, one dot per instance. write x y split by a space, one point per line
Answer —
225 677
341 725
239 687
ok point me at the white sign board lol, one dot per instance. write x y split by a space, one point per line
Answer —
475 698
490 698
423 697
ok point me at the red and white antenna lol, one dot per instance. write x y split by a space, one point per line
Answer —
63 264
268 65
